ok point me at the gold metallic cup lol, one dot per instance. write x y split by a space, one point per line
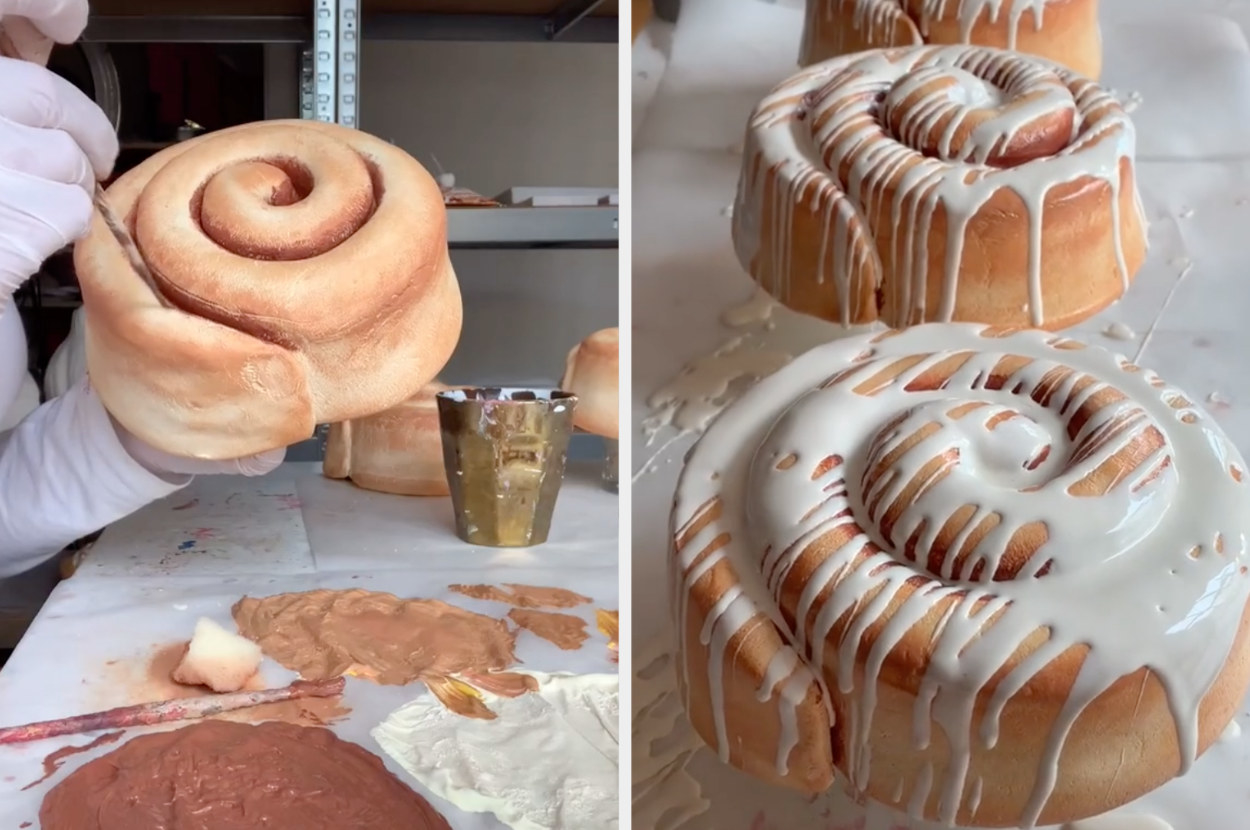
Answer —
505 451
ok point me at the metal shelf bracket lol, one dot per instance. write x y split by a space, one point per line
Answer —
568 15
335 92
325 59
348 63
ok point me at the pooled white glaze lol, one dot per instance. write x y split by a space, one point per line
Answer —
665 795
1126 822
757 311
548 760
1119 331
705 386
883 23
1150 575
822 143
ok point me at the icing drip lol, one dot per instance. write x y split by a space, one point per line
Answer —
883 148
883 23
968 12
927 480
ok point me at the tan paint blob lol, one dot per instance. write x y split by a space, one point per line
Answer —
460 697
523 596
564 630
323 634
289 776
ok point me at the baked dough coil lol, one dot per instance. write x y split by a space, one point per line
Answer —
399 450
592 372
994 580
939 184
310 280
1064 31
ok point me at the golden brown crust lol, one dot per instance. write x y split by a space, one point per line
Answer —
345 313
1080 275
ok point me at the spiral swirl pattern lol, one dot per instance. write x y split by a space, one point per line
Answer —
308 269
951 511
940 184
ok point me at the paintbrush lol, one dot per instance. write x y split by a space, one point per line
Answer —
124 239
168 711
20 39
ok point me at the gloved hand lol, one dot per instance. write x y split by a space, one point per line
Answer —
172 468
54 144
62 21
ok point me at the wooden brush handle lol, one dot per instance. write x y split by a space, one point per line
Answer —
168 711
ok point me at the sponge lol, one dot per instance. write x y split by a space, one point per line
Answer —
219 659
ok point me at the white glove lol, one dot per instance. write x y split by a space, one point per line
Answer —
60 20
54 144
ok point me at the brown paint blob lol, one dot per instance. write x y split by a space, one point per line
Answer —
221 775
564 630
323 634
523 596
53 761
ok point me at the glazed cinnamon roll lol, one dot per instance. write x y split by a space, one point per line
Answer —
1064 31
939 184
992 579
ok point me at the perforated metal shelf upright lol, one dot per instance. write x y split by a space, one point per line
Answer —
330 85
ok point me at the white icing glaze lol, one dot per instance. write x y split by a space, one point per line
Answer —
704 386
1152 575
665 795
754 312
915 132
890 23
1119 331
548 760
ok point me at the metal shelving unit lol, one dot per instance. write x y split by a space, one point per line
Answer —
332 35
521 227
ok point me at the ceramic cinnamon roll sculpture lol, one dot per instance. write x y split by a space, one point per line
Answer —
991 579
937 184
